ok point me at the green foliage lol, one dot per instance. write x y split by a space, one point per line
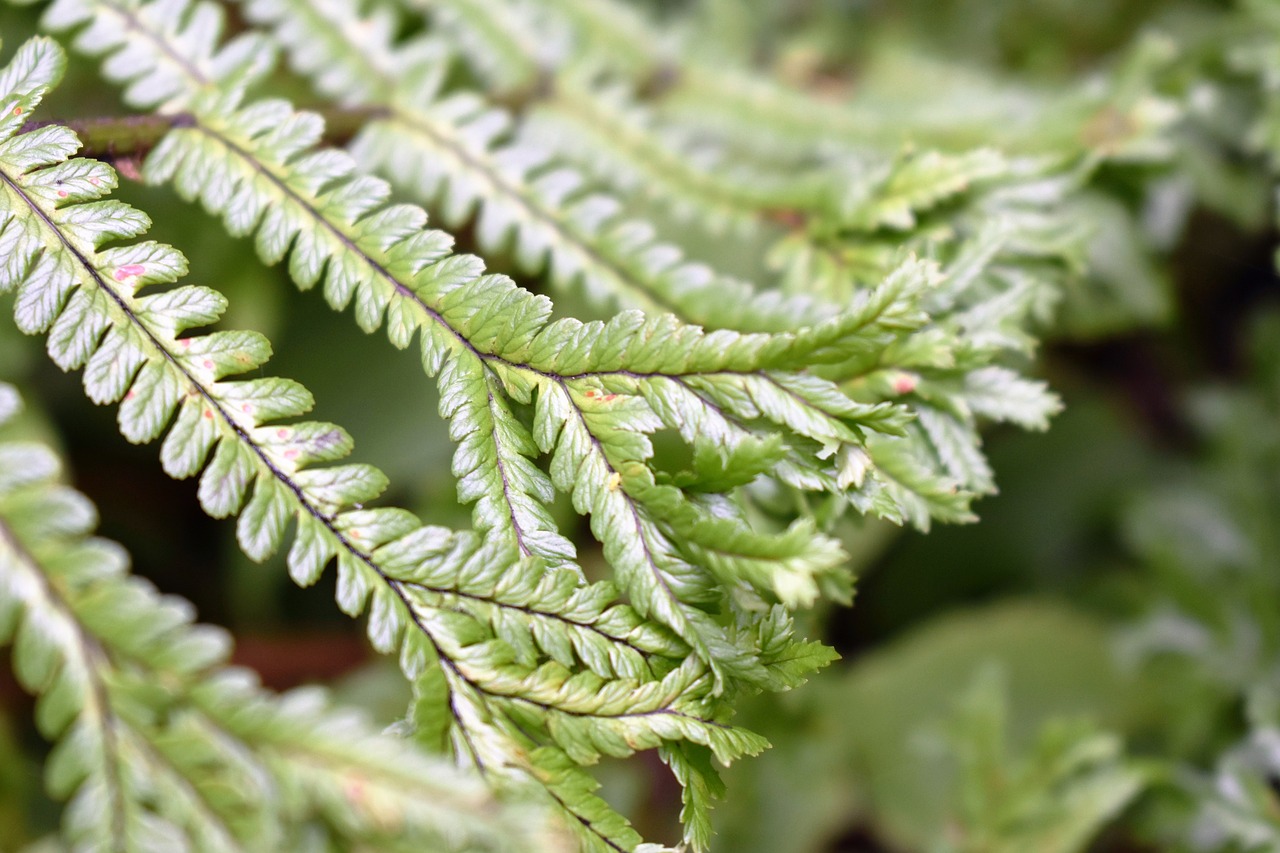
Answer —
1056 799
724 322
160 745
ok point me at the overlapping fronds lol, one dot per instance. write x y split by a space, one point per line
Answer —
670 377
330 43
862 210
456 152
645 109
160 744
445 601
601 57
677 427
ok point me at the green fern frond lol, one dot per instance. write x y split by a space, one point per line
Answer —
100 312
523 669
190 54
458 154
605 129
567 362
159 744
330 42
485 341
600 125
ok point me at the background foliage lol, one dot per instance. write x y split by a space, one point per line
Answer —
1093 664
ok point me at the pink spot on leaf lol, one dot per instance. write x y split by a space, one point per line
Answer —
208 364
129 269
131 395
208 413
62 193
282 433
94 181
247 407
609 398
904 384
291 453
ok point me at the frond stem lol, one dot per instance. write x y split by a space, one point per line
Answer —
114 138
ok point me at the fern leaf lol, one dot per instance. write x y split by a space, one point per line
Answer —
598 392
135 356
324 39
456 152
516 668
190 56
895 194
624 144
160 743
326 225
605 130
290 134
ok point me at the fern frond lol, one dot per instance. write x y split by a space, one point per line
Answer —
159 743
893 195
604 128
330 42
912 487
458 154
564 359
485 339
164 75
635 148
516 679
99 310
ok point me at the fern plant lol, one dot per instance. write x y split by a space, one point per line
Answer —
719 434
